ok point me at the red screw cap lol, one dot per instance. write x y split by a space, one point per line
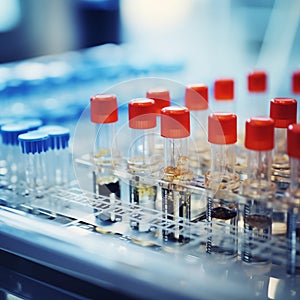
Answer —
293 140
283 111
259 134
222 128
257 82
141 112
196 97
224 89
104 109
296 82
160 96
175 122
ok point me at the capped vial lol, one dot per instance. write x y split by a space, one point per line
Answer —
224 96
284 112
196 100
221 180
292 199
162 99
258 190
175 129
295 87
34 145
59 158
104 113
142 161
14 173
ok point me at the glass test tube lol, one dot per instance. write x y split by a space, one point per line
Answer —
162 99
104 113
293 200
259 191
34 145
59 155
175 129
196 100
255 98
284 112
142 162
14 174
222 182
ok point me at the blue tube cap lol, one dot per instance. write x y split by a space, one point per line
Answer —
59 136
10 132
34 142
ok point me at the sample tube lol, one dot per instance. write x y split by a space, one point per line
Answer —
284 112
161 96
224 96
104 113
293 200
175 129
34 145
142 162
59 155
255 98
196 100
14 173
222 182
258 190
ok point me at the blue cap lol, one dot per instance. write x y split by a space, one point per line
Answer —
34 142
33 124
58 136
10 132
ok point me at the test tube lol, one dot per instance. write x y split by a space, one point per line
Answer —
221 182
175 129
59 155
13 177
284 112
162 99
142 162
292 198
34 145
104 113
258 190
196 100
224 96
255 98
295 87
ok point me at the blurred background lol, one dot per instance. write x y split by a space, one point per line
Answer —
184 40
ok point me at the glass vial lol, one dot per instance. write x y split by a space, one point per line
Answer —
59 155
259 191
292 199
222 182
196 100
34 145
142 162
104 113
176 198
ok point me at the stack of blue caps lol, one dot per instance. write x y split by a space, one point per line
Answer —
58 136
34 142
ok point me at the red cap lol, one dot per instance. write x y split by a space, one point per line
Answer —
196 97
259 134
222 128
160 96
283 111
175 122
104 109
141 112
296 82
293 140
224 89
257 82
